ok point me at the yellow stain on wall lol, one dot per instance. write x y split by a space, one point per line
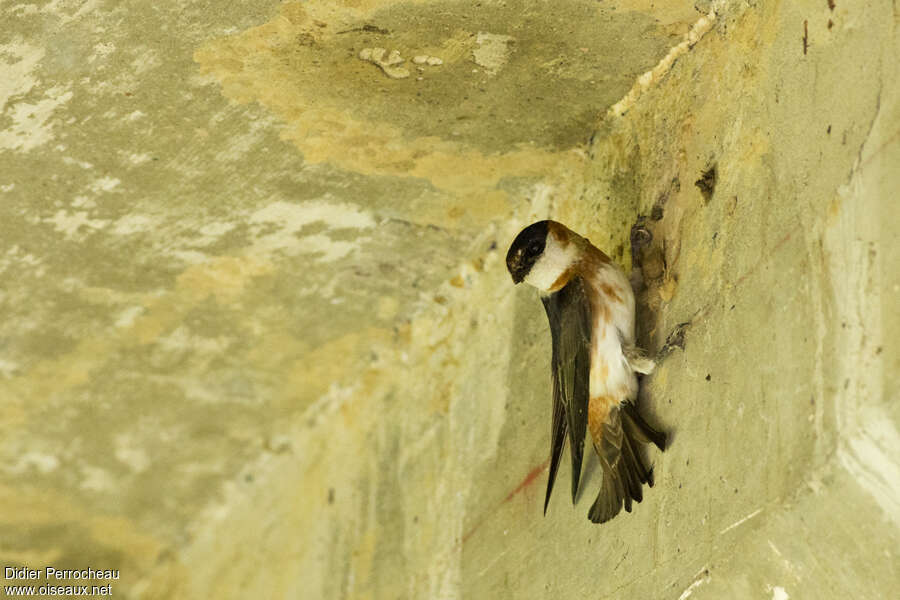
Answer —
224 277
39 508
301 67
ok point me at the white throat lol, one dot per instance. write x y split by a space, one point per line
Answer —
553 262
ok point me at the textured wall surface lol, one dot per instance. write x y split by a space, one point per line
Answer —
258 339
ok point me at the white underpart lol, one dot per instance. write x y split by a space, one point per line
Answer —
553 262
619 381
610 337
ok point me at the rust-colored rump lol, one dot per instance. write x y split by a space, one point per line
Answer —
598 410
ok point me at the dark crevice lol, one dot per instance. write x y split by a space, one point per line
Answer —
707 182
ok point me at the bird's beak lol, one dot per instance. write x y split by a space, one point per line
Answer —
514 266
515 269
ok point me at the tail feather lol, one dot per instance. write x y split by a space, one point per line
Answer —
624 477
634 477
608 502
639 429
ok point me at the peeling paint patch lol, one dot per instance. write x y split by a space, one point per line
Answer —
8 368
191 257
289 219
492 52
15 255
182 339
138 158
212 232
127 317
30 128
70 10
778 593
129 454
95 479
105 184
102 50
17 63
328 250
23 10
45 463
148 58
295 216
136 223
74 161
69 223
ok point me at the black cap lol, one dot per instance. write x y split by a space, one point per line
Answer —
526 249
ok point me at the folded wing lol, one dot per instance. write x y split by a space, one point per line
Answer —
569 313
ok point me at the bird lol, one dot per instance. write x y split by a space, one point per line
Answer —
594 364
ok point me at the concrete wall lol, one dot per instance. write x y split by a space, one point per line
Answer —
259 341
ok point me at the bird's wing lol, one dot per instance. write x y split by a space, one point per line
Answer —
569 313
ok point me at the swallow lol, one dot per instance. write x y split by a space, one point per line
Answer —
590 306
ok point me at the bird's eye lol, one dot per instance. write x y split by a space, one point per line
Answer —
534 248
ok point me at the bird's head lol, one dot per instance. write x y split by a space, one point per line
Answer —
542 253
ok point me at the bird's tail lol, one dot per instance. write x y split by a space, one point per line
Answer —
635 425
624 470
